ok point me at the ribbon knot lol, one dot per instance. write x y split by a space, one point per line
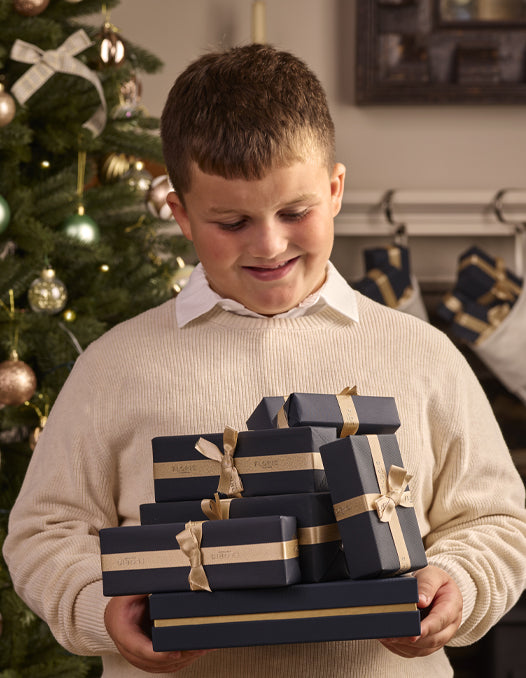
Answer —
60 60
216 508
229 481
53 59
189 541
395 494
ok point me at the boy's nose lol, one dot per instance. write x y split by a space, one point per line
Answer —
268 241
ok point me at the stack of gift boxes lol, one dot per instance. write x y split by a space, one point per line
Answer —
257 536
484 294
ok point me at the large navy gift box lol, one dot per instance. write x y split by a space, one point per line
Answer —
340 610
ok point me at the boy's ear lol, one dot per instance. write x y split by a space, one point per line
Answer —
180 213
337 186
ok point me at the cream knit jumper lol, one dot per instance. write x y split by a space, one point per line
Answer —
93 467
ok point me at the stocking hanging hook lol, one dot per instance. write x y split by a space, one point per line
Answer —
399 228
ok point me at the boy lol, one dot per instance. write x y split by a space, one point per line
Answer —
249 146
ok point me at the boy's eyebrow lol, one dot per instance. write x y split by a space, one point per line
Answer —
304 197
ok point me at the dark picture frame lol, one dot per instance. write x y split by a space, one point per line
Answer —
416 52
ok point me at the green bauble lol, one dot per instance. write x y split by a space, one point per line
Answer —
81 227
5 214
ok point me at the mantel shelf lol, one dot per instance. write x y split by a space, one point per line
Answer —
432 213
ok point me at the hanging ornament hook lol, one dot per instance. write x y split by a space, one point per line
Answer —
400 229
518 228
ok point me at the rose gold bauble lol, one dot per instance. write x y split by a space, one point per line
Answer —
18 382
156 197
30 7
7 107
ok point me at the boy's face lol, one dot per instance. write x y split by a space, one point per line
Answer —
266 242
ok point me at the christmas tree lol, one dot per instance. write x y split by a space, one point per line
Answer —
84 242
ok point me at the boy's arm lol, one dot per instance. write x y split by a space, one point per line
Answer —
52 548
476 508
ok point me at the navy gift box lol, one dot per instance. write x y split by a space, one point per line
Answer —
320 552
341 610
376 518
393 255
240 553
264 416
351 414
271 461
389 286
469 320
486 279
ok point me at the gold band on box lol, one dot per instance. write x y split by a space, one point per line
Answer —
292 614
271 463
392 494
384 285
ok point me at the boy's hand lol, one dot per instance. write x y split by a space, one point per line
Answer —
438 592
127 622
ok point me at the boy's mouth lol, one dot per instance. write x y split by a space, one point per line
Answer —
271 272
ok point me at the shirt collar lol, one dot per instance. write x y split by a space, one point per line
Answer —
197 298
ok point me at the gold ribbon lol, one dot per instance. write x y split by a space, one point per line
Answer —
384 285
60 60
216 509
210 555
270 463
394 256
347 409
189 541
452 303
392 494
229 480
495 315
285 615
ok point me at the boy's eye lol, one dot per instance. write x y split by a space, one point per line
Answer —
234 226
294 216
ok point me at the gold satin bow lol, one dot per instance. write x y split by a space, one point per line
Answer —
229 481
396 495
349 390
189 541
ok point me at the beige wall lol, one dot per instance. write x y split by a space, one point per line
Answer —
403 147
439 147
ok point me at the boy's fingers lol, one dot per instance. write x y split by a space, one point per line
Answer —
441 596
125 620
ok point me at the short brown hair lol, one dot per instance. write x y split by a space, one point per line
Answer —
241 112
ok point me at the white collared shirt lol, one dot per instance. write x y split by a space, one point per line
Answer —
197 298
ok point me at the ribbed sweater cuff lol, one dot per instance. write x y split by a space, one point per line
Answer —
467 588
89 621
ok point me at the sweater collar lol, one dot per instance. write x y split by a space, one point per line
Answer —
197 298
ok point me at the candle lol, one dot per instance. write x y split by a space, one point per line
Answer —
258 22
